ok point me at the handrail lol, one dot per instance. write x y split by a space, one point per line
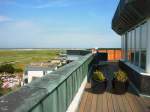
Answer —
51 93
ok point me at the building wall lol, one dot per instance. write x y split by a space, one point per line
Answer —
113 54
136 55
139 79
134 45
49 72
32 74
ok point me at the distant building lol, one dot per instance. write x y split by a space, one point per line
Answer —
37 70
55 61
62 54
34 71
10 82
73 55
71 58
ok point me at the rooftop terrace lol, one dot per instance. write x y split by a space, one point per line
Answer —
111 102
57 91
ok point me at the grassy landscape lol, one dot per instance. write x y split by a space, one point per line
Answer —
20 58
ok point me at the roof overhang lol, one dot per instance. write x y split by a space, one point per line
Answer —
129 13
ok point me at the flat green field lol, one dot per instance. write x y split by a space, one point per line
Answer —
20 58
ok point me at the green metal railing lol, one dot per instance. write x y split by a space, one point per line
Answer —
52 93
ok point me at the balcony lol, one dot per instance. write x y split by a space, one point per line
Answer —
111 102
68 89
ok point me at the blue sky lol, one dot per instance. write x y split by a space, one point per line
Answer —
57 23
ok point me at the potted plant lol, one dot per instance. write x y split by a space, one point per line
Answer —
98 82
120 82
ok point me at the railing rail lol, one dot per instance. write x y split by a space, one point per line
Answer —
52 93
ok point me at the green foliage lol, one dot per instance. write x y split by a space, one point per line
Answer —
8 68
1 83
18 70
4 91
20 58
98 75
120 76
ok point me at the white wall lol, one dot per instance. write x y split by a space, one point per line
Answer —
32 74
49 72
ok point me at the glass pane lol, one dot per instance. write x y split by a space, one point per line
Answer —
128 40
133 46
137 38
132 57
137 45
129 45
137 58
123 45
143 59
143 45
121 42
133 40
143 36
26 81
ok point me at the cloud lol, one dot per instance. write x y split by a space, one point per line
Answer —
31 34
53 4
4 18
23 24
39 4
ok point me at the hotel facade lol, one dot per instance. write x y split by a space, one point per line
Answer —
132 22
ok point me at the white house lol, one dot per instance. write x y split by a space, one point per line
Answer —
34 72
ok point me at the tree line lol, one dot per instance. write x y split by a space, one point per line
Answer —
9 68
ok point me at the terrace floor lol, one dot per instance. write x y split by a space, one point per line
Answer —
110 102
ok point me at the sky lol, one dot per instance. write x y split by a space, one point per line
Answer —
57 24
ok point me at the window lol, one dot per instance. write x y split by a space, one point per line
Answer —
143 45
34 78
44 72
26 81
143 60
129 45
137 45
137 54
26 73
132 36
144 36
137 39
123 46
